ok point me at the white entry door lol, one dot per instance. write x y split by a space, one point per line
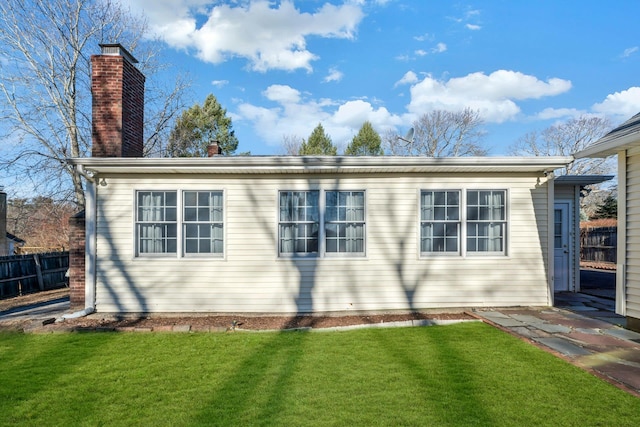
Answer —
562 249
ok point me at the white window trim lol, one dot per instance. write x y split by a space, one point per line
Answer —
322 253
180 249
463 252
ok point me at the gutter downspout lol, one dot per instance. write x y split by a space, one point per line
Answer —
90 249
550 238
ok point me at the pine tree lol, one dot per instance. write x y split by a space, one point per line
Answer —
608 209
318 144
366 143
198 127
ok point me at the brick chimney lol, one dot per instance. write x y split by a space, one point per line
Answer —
117 87
214 150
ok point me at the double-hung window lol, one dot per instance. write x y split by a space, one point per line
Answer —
203 222
157 222
344 221
313 223
187 223
299 222
463 222
486 220
440 221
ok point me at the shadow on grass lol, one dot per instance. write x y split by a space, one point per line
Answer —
264 376
33 366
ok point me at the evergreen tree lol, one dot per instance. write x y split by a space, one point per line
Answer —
608 209
318 144
200 126
366 143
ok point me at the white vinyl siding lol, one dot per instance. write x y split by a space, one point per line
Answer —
253 277
632 268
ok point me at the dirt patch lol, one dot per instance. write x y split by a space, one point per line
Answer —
240 322
212 322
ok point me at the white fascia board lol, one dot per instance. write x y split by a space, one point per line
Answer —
611 147
320 164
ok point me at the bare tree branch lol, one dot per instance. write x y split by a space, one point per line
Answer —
441 133
45 82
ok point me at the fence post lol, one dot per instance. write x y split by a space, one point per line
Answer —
36 259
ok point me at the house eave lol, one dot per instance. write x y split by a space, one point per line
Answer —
606 148
320 165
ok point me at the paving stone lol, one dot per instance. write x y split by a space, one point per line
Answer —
589 331
599 340
492 314
529 333
182 328
553 328
563 346
624 334
582 308
506 322
625 374
525 318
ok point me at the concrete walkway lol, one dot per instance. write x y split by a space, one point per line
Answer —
581 329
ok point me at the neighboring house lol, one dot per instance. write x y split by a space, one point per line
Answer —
566 250
625 142
302 234
13 243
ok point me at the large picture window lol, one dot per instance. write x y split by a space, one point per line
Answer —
185 223
443 228
309 224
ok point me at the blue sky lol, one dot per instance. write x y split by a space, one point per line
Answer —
282 67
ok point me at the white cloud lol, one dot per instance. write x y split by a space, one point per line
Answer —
440 47
420 52
622 104
473 27
269 36
629 51
282 94
219 83
299 115
424 37
494 95
334 75
558 113
408 78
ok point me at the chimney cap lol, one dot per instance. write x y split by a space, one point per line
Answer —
116 49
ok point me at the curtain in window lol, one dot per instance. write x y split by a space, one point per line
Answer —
496 207
354 205
151 208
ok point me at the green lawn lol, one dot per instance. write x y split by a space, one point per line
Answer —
465 374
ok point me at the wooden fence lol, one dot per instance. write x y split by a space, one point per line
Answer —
25 274
599 244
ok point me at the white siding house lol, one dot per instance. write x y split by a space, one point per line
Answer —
318 234
300 234
625 142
